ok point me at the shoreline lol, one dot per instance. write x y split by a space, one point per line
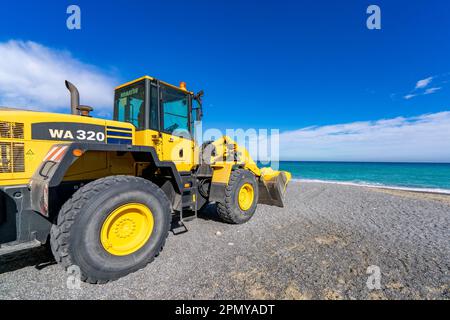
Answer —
437 191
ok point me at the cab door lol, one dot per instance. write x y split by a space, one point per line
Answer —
177 143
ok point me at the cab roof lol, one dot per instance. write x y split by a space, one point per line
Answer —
151 78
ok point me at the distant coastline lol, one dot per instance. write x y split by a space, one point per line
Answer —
371 162
377 186
419 177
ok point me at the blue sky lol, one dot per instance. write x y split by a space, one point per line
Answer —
272 64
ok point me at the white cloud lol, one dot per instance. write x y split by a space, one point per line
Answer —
422 138
421 90
432 90
32 76
409 96
423 83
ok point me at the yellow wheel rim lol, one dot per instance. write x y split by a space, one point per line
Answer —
245 197
127 229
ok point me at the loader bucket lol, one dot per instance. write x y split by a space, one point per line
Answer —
272 186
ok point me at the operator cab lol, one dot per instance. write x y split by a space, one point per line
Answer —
151 104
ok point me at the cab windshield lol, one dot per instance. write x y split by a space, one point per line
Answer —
129 105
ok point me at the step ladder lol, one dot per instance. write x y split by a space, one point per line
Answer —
188 210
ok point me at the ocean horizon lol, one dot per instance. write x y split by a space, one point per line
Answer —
422 176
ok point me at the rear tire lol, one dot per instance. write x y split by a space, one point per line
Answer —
232 209
79 236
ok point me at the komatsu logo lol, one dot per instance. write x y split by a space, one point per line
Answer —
69 131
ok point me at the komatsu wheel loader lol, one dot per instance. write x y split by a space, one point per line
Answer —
103 192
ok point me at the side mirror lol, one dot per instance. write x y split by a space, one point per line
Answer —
198 97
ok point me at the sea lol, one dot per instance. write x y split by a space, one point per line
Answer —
427 177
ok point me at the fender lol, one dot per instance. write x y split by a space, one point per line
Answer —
219 181
59 159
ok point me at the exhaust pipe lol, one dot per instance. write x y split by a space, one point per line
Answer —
74 98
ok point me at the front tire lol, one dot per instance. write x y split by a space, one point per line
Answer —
111 227
241 198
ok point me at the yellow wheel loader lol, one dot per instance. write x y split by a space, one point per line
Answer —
103 193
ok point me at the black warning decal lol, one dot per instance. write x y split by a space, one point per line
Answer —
68 131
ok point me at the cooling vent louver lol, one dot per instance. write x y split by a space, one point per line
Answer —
12 130
12 153
17 130
18 157
5 152
5 129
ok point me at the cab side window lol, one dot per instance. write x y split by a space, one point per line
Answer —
175 108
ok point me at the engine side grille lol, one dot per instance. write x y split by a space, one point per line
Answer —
12 152
12 157
5 129
5 162
17 130
11 130
18 157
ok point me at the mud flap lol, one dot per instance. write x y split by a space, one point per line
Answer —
273 188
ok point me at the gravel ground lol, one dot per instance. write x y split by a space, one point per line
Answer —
318 247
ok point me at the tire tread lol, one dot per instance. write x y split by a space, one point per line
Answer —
225 209
60 232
